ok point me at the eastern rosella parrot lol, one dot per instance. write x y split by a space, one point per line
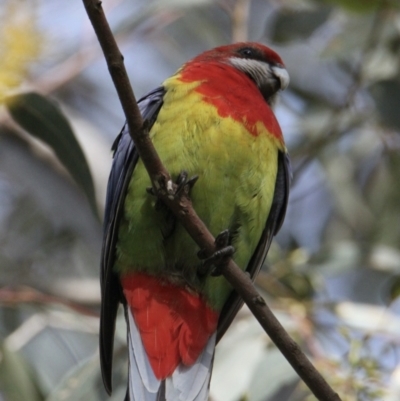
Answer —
212 118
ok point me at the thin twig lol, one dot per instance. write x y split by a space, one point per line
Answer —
24 294
240 18
183 210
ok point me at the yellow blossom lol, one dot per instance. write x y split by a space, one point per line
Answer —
20 43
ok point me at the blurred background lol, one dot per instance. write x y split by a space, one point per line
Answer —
333 273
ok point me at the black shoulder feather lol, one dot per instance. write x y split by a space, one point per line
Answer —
125 159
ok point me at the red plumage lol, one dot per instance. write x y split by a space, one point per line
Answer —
174 324
238 91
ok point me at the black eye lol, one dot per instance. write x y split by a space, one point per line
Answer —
247 52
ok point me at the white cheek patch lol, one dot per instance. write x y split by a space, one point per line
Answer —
262 73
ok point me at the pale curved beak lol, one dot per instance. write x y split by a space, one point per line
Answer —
282 75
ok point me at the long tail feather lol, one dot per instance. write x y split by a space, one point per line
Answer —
191 383
143 385
187 383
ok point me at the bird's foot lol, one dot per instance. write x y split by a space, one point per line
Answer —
183 186
210 265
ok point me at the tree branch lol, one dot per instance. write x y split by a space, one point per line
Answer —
25 294
182 208
240 18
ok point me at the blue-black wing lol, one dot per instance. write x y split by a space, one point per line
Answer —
125 159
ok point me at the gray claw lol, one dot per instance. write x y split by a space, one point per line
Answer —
224 251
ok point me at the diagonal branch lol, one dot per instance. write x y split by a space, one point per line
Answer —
181 206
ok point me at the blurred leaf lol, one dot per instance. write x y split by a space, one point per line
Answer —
239 353
16 379
346 43
280 376
155 7
244 359
79 383
386 95
386 258
298 285
83 380
84 383
394 289
44 120
180 3
298 25
360 6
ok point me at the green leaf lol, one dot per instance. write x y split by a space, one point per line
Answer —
44 120
359 6
386 94
16 379
298 25
84 383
